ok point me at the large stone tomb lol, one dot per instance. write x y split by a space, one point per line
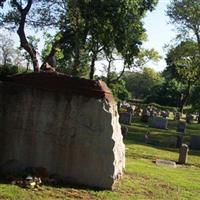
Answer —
67 125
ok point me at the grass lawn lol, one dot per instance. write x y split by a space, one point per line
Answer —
143 179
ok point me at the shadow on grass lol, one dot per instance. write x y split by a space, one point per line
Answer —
172 124
166 138
159 141
60 184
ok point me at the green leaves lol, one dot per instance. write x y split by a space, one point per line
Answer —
185 14
87 27
185 61
140 83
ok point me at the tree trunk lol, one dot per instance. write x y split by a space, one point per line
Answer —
23 40
92 65
4 60
185 98
76 63
108 80
198 39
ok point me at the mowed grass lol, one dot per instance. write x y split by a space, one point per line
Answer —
142 179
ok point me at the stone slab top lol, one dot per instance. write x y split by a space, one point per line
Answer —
58 82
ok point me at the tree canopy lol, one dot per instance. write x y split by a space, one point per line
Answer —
185 14
84 27
183 66
141 83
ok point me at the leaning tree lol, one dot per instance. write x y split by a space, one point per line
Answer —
40 14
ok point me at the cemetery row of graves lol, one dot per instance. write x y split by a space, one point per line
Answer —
159 119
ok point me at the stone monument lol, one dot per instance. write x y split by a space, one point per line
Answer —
69 126
183 152
195 142
177 116
189 118
125 118
158 122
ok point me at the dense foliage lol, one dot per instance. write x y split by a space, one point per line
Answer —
140 83
84 28
86 31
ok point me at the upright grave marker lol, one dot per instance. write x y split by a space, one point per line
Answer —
158 122
125 118
183 152
195 142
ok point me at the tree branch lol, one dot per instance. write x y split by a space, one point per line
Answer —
121 74
2 2
28 7
23 40
19 7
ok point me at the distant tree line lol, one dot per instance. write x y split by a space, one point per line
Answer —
180 85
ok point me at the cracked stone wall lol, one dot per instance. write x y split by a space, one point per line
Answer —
73 136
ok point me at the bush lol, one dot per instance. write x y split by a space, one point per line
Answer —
8 70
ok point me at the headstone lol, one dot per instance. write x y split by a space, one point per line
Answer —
164 114
195 142
189 118
165 163
125 118
181 126
177 116
152 112
158 122
183 152
130 110
145 115
137 111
